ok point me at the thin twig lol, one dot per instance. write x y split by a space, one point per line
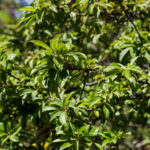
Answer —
129 19
13 76
19 80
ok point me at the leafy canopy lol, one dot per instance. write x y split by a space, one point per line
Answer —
75 75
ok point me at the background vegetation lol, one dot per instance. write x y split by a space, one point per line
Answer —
74 74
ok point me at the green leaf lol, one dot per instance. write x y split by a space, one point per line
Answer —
13 138
2 134
63 118
17 131
68 97
91 8
127 74
94 102
113 66
147 56
96 112
74 55
84 130
94 131
98 146
48 108
98 12
40 43
5 139
136 69
28 8
48 52
106 112
28 18
133 60
26 91
65 145
129 102
2 127
96 38
81 54
73 16
58 62
106 142
123 53
55 42
29 21
77 145
2 45
60 140
55 114
56 103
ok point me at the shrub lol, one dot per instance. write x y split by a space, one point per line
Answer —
75 75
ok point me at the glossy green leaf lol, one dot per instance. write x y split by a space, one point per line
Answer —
40 43
113 66
63 118
28 8
65 145
106 112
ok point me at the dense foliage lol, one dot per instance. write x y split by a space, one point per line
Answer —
75 75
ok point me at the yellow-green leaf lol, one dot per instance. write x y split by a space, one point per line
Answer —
28 8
